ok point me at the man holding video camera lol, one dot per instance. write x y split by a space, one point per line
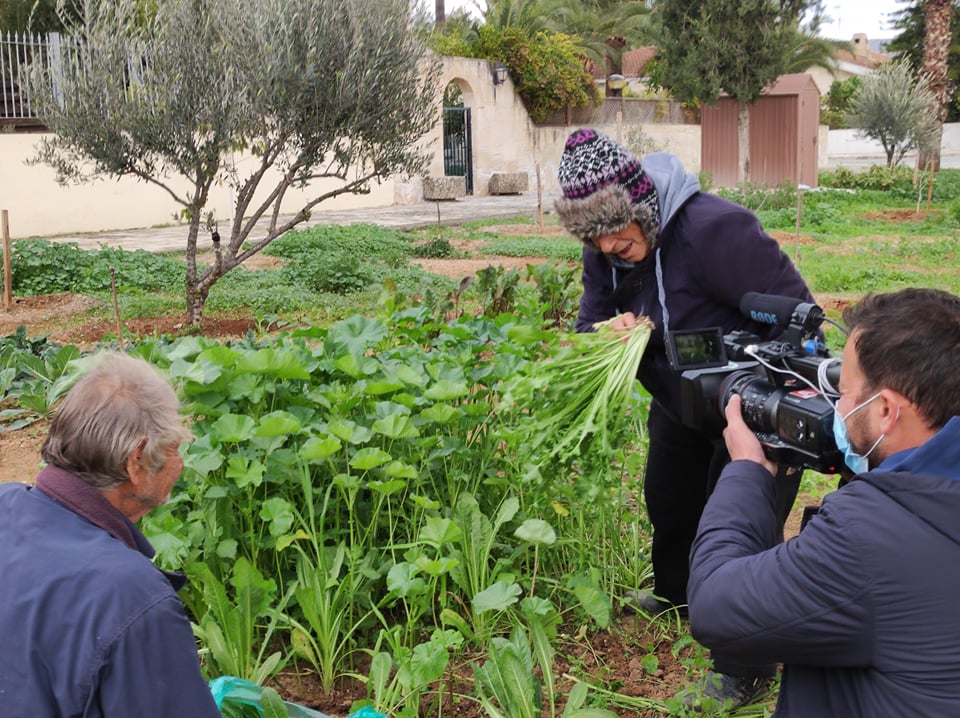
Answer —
860 607
658 246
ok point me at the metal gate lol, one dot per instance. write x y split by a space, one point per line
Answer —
458 144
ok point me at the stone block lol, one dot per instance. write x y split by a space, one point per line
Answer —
509 182
444 187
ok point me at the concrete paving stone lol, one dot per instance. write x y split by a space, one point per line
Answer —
408 216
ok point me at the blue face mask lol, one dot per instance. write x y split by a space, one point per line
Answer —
857 463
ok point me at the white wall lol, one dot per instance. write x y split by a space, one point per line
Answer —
504 140
848 148
38 206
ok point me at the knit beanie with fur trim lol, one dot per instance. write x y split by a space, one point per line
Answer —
604 189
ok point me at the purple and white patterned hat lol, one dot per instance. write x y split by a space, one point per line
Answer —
604 189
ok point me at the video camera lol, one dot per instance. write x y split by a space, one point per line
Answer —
781 382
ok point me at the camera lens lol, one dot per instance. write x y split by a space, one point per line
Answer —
759 400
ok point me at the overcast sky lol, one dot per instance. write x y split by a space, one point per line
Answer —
848 17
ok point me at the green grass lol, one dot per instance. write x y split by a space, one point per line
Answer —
853 241
554 247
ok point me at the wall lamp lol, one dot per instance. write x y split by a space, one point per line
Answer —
616 83
499 73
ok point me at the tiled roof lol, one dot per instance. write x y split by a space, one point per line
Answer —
634 62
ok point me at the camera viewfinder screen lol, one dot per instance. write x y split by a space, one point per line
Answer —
696 348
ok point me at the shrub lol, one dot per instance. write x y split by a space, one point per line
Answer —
338 271
262 292
756 197
436 248
546 68
877 177
42 267
556 248
139 269
362 240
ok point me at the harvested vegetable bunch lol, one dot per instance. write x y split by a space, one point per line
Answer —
581 392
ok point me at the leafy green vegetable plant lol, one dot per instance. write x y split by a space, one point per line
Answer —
229 627
580 390
400 678
507 682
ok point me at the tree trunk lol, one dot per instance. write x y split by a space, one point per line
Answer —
936 51
195 295
440 12
743 143
195 300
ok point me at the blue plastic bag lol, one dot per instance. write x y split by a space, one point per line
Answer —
241 698
366 712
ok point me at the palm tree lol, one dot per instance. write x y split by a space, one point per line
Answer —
531 16
936 54
603 29
806 50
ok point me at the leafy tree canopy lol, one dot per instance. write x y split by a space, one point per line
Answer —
547 67
29 15
714 46
835 105
895 109
309 89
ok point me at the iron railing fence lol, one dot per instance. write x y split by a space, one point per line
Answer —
19 53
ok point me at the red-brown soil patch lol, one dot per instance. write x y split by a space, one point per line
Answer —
55 316
20 453
457 268
901 215
611 657
788 239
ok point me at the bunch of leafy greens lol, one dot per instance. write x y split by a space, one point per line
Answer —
582 391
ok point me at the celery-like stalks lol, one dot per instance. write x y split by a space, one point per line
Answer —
576 394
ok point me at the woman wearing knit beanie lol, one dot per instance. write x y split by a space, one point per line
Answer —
656 245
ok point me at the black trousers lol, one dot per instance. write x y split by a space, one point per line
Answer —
682 469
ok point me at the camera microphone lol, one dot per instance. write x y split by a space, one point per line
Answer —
778 310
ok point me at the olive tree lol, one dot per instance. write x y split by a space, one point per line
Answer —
895 109
306 90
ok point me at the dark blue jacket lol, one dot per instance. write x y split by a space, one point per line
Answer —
861 606
88 625
711 253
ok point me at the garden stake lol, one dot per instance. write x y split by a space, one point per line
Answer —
116 306
539 199
7 271
796 243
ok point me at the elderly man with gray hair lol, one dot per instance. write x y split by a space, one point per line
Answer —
90 626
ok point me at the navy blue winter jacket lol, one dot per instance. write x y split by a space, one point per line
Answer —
89 627
711 252
861 606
